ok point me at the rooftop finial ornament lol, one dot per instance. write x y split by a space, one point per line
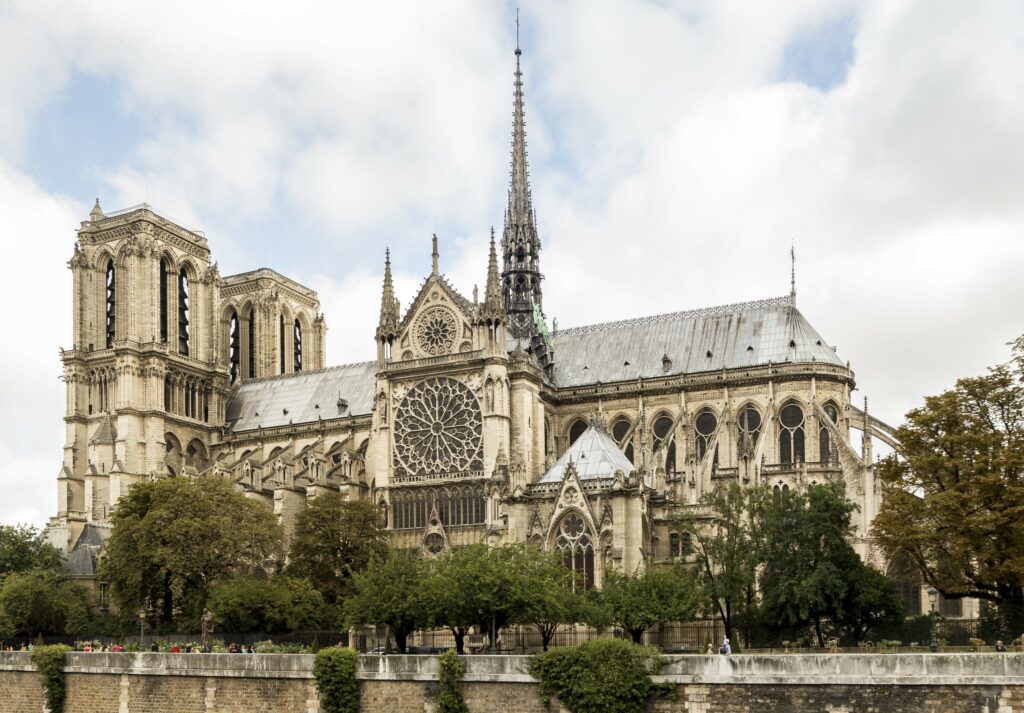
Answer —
792 273
434 255
518 51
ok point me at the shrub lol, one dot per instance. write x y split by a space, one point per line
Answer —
601 676
449 700
335 673
49 661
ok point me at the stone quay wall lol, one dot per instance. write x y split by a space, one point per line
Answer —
792 683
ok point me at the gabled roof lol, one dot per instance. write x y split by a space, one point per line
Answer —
303 397
593 455
106 432
726 337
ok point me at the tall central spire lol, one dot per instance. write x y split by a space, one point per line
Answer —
520 243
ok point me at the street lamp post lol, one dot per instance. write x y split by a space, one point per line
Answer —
142 635
933 595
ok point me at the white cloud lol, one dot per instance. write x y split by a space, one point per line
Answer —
671 166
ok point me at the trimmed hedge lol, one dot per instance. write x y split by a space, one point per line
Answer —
601 676
335 673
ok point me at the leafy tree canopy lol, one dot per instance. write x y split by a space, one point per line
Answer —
41 602
390 592
806 555
645 599
276 605
175 538
333 539
23 548
955 493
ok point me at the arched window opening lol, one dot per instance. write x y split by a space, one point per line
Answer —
576 430
791 435
167 394
827 452
183 308
280 338
233 346
749 430
577 549
163 300
173 456
619 430
111 304
252 345
680 544
705 427
297 348
662 432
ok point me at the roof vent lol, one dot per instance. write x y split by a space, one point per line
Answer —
709 353
342 405
285 411
666 363
625 363
792 344
750 348
819 342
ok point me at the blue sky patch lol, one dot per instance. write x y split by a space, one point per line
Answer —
820 56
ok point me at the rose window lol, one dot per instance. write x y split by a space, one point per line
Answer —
438 430
436 330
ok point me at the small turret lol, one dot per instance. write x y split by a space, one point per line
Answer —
493 308
387 328
96 214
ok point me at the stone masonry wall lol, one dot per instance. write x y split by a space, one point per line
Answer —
232 683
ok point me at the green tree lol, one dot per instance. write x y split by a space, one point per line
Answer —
647 598
806 555
38 602
390 592
727 539
175 538
23 548
871 602
333 539
273 606
955 492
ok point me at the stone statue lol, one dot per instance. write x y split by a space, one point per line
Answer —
207 624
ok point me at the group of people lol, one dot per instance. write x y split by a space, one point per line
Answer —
725 649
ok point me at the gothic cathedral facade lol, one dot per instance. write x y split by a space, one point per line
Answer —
475 422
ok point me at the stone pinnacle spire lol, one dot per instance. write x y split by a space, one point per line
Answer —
520 243
388 304
493 307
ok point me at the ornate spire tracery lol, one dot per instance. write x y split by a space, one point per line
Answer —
521 278
387 328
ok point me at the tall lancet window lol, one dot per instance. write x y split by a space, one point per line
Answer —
163 300
252 345
791 435
111 304
280 339
827 453
705 428
662 430
233 346
183 308
297 348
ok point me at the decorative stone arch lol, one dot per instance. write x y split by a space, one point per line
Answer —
197 457
665 445
573 535
704 431
302 350
792 432
620 426
576 428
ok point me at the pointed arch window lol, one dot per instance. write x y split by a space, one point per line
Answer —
619 430
576 430
184 299
251 345
163 300
791 434
111 304
280 338
297 348
233 346
662 432
827 452
705 427
749 426
577 548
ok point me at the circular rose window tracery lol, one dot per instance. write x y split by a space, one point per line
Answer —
438 430
436 330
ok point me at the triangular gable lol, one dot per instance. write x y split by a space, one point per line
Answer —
571 498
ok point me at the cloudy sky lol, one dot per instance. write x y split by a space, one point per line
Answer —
676 150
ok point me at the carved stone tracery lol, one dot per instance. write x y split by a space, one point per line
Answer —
438 430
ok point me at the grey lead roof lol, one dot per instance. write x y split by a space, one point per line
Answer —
303 397
736 336
594 455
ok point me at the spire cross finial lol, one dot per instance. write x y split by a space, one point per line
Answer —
435 255
518 51
792 272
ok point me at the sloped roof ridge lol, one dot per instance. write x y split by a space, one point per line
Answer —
715 311
309 372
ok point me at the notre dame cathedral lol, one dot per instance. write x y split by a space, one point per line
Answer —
476 421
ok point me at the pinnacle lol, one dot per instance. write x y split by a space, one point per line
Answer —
96 213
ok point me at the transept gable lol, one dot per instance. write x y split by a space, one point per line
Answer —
571 498
439 321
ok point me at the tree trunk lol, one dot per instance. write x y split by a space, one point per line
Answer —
400 637
817 631
637 634
460 640
167 615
